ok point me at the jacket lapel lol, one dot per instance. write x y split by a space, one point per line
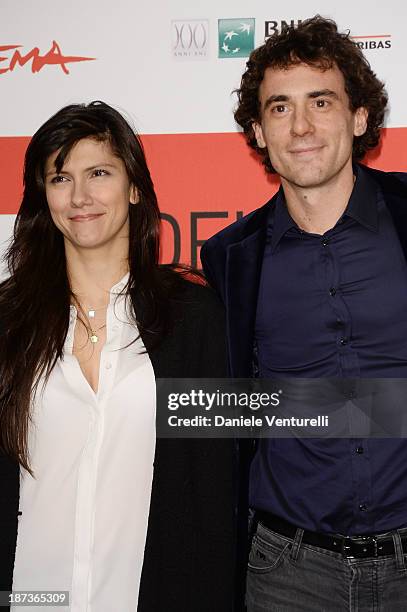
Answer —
243 269
394 189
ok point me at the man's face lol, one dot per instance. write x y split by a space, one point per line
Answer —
307 125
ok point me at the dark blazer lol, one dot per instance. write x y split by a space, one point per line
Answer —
190 549
232 261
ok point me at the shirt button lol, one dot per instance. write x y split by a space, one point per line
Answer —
108 365
362 507
325 242
343 341
359 450
332 291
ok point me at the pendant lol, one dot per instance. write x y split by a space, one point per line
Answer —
93 338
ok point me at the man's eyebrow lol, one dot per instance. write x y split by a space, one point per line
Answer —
322 92
279 98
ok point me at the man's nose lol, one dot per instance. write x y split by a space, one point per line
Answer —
301 122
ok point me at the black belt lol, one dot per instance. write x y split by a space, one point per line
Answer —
349 546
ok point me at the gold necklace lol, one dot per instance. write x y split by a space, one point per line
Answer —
92 333
90 313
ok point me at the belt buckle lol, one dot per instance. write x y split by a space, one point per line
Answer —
365 546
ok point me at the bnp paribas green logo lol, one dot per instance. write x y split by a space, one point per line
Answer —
236 37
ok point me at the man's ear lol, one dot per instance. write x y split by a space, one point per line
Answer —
360 121
134 196
258 133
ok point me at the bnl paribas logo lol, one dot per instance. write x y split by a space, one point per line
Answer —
236 37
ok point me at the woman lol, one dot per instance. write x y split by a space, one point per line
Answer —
88 319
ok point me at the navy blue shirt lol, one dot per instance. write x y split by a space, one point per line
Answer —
333 306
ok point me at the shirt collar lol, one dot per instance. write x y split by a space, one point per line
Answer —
118 288
281 220
115 290
362 207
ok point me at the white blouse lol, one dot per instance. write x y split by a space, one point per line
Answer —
85 513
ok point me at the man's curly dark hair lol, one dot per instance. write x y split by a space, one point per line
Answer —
315 42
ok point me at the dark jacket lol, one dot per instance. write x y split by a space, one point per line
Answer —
190 549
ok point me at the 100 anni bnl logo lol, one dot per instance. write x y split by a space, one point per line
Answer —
190 39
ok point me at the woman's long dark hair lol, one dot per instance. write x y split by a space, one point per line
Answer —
35 299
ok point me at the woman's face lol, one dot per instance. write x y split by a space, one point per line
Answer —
89 198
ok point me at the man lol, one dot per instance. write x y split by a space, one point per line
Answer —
315 286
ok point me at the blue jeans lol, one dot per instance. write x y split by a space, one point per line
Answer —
288 576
